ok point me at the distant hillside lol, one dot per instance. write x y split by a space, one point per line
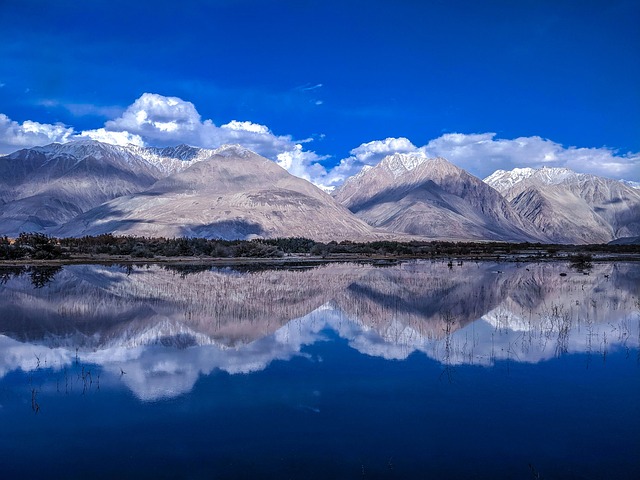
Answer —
571 207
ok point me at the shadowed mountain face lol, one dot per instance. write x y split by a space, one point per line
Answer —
145 318
431 197
233 194
570 207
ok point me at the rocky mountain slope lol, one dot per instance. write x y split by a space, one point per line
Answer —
43 187
232 194
431 197
571 207
87 188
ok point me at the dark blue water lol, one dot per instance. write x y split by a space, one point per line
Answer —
341 390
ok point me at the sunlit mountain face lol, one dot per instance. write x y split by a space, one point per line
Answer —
571 207
167 326
87 187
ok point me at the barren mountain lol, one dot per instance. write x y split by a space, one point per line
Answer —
571 207
46 186
234 194
431 197
88 187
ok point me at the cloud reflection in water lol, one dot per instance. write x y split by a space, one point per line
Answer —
164 328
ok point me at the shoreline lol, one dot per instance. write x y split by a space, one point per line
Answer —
308 260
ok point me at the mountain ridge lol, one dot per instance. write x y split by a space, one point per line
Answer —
432 198
231 194
52 188
572 207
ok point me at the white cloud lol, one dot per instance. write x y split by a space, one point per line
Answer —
14 135
160 121
482 154
157 118
309 87
246 127
303 164
372 152
114 138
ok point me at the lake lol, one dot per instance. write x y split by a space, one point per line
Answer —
413 370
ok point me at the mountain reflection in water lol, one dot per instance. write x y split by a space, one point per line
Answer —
165 327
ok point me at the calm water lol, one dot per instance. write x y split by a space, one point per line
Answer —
342 371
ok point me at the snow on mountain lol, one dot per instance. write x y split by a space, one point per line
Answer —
504 180
171 159
431 197
166 159
233 149
400 163
44 187
233 194
571 207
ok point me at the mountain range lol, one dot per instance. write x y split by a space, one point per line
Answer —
89 188
571 207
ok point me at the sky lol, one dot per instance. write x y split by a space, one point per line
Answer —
325 87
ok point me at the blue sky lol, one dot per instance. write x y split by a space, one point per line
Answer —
325 78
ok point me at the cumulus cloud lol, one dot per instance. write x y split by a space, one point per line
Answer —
304 164
114 138
378 149
159 120
482 154
14 135
246 127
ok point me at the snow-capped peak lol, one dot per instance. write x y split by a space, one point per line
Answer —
79 149
171 159
179 152
503 180
232 149
401 163
168 160
363 171
553 176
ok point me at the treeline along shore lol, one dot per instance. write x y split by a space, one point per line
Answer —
39 247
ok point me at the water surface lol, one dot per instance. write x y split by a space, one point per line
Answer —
417 370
